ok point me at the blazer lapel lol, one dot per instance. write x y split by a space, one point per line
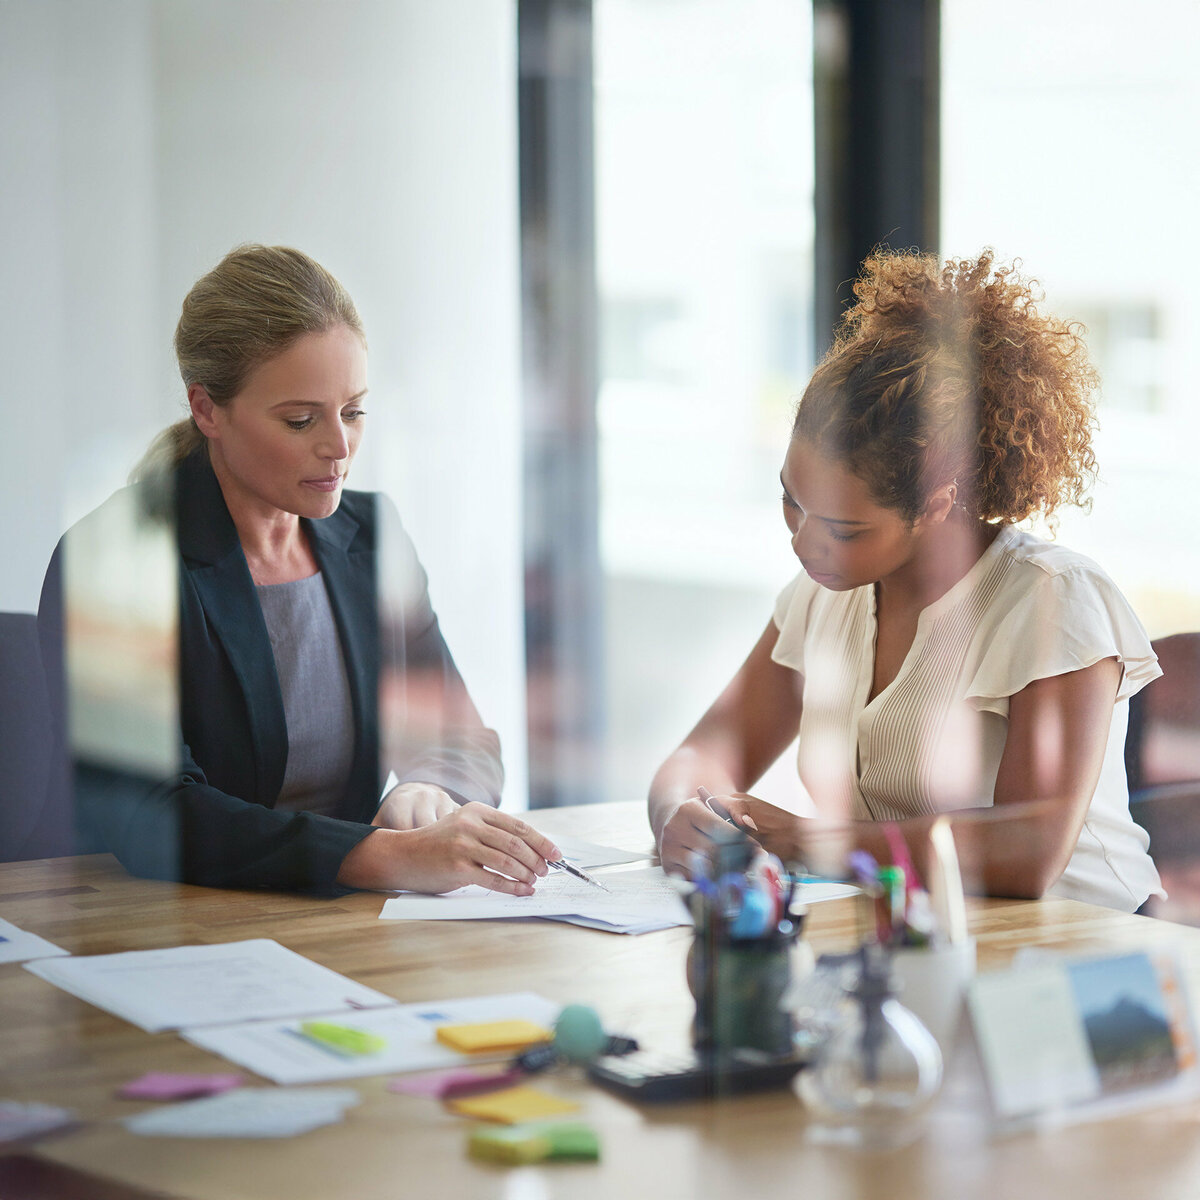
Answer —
345 554
214 562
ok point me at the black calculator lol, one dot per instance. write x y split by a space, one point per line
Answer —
654 1077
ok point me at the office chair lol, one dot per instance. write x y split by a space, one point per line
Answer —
1163 745
1162 760
36 819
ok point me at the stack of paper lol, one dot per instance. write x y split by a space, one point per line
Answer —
255 1003
591 854
632 901
278 1050
207 985
18 945
638 900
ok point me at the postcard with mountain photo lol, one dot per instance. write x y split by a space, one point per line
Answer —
1128 1020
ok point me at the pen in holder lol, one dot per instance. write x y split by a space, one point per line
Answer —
931 957
739 967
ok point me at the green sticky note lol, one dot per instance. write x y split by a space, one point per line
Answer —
534 1142
572 1140
353 1043
513 1144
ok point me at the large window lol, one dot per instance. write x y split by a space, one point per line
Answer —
704 220
1067 139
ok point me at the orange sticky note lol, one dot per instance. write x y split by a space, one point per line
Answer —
513 1105
495 1037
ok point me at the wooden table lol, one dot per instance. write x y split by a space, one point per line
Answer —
57 1049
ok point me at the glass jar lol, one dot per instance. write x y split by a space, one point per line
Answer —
878 1072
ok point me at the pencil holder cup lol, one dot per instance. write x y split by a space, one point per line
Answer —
931 982
739 989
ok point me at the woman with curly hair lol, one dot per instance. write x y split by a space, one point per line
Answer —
933 657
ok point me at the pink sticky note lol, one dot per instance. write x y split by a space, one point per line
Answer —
459 1080
164 1085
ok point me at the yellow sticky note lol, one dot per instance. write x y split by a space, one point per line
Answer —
496 1037
512 1105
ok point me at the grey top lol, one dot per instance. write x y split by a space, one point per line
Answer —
316 693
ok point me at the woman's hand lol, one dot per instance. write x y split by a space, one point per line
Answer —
412 805
691 829
473 844
775 829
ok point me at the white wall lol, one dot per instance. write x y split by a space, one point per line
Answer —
1075 149
144 138
77 246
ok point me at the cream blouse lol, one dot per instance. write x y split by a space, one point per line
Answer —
932 739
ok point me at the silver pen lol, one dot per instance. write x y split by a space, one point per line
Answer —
561 864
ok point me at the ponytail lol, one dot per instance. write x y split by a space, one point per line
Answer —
168 450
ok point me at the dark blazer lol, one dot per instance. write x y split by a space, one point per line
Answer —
213 821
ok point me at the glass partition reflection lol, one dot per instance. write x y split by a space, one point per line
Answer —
704 255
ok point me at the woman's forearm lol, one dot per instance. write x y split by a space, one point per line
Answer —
371 865
1015 850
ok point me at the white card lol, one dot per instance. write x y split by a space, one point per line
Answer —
247 1113
1032 1040
1129 1013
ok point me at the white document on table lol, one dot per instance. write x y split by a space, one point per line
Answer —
639 896
247 1113
589 855
817 891
629 927
19 945
207 985
278 1050
638 900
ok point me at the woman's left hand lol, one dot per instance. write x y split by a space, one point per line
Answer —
775 829
413 805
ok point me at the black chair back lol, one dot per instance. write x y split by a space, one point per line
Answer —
36 817
1162 748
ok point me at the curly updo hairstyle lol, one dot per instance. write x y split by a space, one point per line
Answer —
949 373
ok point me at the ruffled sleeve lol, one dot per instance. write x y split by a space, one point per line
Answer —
792 612
1067 620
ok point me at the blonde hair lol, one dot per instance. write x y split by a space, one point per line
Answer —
250 307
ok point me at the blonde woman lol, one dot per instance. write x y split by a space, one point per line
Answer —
310 661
